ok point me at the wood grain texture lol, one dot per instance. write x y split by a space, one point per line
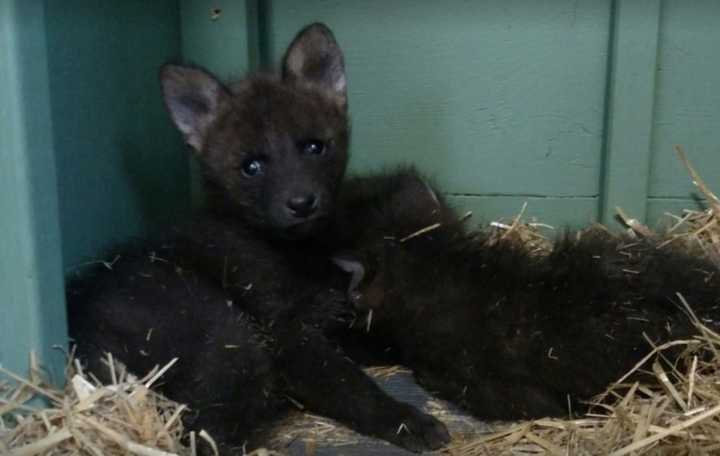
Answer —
687 108
32 308
489 97
121 165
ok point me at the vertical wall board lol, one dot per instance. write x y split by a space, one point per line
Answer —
121 165
687 109
32 308
630 107
222 36
491 97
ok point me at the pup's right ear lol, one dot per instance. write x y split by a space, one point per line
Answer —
195 99
314 57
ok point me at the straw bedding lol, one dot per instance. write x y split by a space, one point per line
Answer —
125 417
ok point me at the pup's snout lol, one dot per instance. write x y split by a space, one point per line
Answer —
302 206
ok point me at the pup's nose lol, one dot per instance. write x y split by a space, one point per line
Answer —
302 206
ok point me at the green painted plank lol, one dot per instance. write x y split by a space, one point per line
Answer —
32 309
121 165
687 109
488 96
220 42
556 212
630 107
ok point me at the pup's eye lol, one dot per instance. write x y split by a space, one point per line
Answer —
312 147
252 168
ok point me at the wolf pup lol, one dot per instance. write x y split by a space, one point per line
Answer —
242 293
506 334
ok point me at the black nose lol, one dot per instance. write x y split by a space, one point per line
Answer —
302 206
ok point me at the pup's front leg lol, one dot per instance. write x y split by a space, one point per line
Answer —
328 383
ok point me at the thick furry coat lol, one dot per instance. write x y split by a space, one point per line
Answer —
504 333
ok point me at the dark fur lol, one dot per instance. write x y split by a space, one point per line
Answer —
503 333
242 294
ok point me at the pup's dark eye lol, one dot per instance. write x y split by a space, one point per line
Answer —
312 147
252 168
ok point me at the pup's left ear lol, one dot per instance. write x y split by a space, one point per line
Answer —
314 57
195 99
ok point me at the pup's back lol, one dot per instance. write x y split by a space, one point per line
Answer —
510 335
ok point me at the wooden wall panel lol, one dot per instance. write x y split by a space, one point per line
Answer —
687 104
490 98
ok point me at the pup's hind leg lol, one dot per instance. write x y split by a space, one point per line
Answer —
148 312
235 388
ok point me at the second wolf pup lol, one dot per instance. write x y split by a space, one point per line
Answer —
501 332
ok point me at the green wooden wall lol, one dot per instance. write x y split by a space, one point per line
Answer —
88 156
121 165
687 102
32 310
570 105
499 101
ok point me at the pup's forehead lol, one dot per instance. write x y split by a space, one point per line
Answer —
273 99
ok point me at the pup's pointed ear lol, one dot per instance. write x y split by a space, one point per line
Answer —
314 57
195 99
